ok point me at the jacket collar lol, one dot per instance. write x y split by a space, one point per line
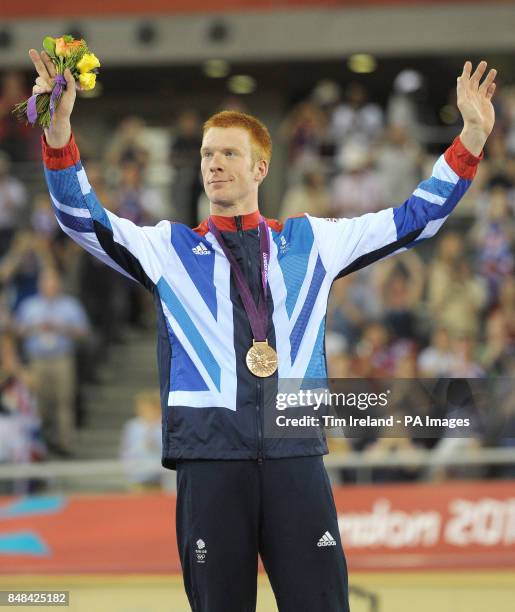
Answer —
230 224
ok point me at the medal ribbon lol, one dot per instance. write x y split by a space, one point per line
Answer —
57 90
257 315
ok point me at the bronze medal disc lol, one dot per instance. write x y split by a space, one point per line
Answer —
261 359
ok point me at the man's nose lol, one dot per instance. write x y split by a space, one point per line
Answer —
216 162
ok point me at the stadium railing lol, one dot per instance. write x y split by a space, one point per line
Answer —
101 470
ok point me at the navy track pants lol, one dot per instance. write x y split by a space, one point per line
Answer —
228 512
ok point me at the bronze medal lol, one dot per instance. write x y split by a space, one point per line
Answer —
261 359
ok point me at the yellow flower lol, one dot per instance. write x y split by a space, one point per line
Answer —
87 81
89 61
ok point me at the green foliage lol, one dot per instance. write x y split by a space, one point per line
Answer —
49 46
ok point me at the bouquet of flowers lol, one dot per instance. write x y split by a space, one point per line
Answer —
65 52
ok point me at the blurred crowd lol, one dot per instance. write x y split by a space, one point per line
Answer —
445 309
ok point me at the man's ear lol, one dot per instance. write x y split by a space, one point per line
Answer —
260 170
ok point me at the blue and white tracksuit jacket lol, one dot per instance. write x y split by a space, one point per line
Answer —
212 404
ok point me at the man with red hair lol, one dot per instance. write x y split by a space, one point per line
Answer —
242 300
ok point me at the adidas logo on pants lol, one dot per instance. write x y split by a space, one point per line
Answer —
327 540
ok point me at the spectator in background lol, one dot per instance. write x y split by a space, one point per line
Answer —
105 296
494 238
13 198
326 95
21 266
98 182
356 119
134 199
128 143
339 365
459 404
459 301
498 162
142 204
357 189
141 442
352 304
379 353
311 195
456 295
375 352
5 312
339 360
16 138
184 157
508 103
51 323
110 311
497 354
406 102
398 160
504 428
407 397
304 130
437 360
20 426
465 363
500 324
449 250
18 400
13 444
399 285
42 219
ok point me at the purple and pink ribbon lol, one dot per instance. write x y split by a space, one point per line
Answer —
59 86
257 315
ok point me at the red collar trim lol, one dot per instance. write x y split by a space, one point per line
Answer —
228 224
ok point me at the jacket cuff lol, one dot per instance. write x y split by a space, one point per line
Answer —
461 160
62 158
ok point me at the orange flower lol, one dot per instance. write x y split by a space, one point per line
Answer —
64 49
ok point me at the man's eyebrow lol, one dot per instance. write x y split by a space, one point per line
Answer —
232 148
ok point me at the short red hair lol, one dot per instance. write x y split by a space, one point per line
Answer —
260 140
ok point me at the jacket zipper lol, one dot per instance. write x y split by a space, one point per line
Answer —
258 418
239 227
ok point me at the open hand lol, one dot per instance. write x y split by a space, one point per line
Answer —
475 100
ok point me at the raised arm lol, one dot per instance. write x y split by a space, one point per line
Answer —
137 252
346 245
